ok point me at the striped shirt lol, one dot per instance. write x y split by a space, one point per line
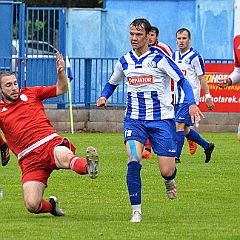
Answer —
149 95
192 65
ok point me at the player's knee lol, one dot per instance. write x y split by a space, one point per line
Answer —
169 173
63 156
31 206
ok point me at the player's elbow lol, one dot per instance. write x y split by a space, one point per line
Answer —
62 84
61 89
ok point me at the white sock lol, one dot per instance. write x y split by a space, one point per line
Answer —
137 208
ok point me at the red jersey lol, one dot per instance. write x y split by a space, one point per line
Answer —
165 48
236 47
235 75
24 122
168 51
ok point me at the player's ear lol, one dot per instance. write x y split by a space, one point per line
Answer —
148 36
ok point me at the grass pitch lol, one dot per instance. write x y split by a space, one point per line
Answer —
207 206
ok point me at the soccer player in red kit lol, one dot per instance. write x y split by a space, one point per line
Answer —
31 137
234 77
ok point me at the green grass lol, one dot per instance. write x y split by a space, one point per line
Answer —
207 206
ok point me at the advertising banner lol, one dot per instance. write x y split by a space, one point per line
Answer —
225 100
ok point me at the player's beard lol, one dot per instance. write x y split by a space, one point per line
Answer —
9 98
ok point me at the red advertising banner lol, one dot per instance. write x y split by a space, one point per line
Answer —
225 100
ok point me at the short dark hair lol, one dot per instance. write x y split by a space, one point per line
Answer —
182 30
155 29
143 23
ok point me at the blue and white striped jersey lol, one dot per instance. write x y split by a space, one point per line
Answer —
148 83
192 65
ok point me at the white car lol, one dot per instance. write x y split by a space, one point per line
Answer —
33 49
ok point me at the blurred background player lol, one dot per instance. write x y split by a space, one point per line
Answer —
192 65
153 41
234 77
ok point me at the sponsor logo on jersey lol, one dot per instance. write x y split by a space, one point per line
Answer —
140 80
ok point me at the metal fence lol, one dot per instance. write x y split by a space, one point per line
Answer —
90 76
34 35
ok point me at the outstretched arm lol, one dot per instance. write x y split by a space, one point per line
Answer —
62 83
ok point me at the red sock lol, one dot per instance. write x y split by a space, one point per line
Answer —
148 145
44 207
78 165
1 141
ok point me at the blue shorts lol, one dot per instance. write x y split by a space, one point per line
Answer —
182 114
162 134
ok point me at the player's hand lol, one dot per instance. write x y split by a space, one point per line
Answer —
60 64
224 82
102 102
195 113
209 103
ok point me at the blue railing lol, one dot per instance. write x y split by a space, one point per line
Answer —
90 76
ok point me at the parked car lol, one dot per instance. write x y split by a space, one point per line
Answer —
33 49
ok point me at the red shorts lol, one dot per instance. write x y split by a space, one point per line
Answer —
38 164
